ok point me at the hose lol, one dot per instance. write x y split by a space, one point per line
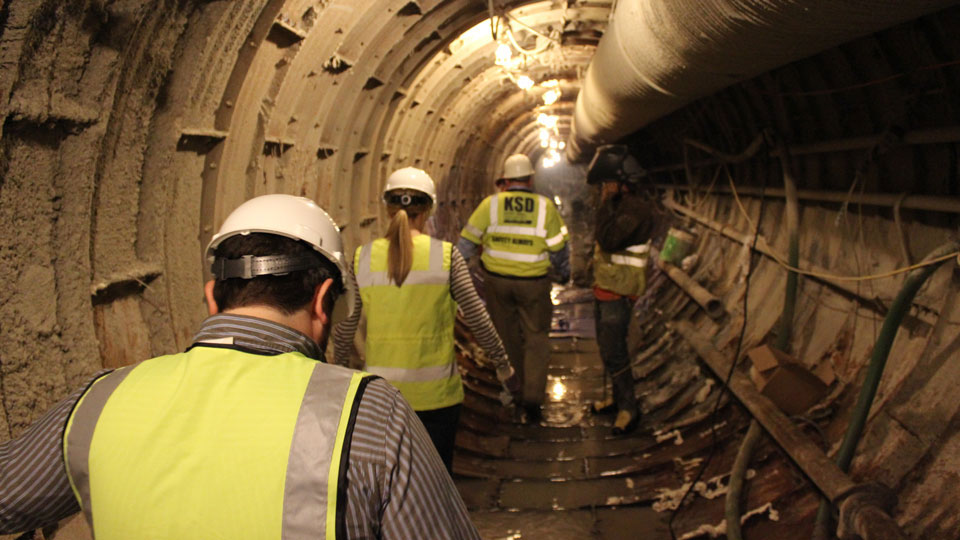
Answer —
739 470
793 231
737 475
878 359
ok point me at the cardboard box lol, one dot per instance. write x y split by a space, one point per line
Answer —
785 382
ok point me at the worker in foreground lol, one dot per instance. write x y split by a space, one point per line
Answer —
246 434
522 235
623 228
411 285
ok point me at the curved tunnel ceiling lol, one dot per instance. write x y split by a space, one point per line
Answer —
365 90
132 128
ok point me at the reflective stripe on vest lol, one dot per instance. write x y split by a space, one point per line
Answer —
632 256
623 272
410 339
515 242
214 443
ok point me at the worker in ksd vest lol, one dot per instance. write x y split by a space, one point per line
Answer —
411 285
522 235
247 433
623 227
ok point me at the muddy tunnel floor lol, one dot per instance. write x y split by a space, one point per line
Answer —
568 477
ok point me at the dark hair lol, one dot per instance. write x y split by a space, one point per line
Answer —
288 293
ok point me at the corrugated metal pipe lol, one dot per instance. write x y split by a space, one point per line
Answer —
658 55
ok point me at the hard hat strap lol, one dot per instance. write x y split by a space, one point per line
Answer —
405 199
249 266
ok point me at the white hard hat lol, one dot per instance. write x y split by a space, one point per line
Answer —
411 178
517 166
298 218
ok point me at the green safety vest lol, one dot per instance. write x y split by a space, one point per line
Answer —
410 339
517 230
214 443
623 272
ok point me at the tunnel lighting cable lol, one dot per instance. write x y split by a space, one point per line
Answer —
835 277
495 21
733 366
528 27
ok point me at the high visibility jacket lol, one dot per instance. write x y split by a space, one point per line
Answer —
517 230
214 443
623 272
410 339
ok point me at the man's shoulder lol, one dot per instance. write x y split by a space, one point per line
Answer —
483 204
381 420
380 397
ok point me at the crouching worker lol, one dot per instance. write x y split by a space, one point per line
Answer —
246 434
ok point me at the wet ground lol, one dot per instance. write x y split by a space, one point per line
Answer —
554 479
568 477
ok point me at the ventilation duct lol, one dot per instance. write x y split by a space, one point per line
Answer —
658 55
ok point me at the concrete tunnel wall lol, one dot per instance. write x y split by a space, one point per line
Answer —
130 129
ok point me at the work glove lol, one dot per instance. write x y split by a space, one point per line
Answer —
508 378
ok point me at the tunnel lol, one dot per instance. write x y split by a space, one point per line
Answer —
807 152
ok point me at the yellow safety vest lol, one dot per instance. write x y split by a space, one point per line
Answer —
623 272
410 339
214 443
517 230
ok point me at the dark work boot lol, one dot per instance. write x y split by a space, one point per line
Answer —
534 414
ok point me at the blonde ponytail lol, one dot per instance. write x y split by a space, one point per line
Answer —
400 254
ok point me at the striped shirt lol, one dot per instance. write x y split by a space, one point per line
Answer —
463 293
397 487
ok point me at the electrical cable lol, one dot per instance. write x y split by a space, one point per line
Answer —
530 28
532 52
835 277
494 24
733 365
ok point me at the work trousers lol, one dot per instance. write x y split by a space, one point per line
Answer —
613 320
521 311
441 425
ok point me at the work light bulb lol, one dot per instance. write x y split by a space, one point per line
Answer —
503 54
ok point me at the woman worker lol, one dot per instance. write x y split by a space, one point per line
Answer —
410 286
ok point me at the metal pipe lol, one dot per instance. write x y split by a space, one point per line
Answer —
878 360
932 203
826 475
658 55
708 301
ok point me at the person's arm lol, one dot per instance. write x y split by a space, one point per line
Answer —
622 221
558 244
476 227
345 330
467 248
560 260
474 312
417 497
34 488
